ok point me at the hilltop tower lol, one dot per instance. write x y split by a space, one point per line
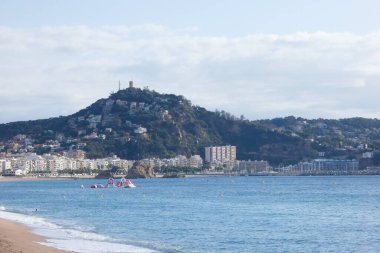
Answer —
130 84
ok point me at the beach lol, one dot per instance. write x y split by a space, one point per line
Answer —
15 238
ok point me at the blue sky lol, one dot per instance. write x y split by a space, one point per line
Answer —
212 17
263 59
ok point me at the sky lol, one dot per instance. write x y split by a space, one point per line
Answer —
260 59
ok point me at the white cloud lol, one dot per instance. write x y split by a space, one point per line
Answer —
53 71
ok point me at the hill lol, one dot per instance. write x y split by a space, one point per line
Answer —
340 139
138 123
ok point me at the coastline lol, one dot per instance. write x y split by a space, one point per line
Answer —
15 238
161 176
15 178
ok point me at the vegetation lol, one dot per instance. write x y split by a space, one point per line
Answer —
174 126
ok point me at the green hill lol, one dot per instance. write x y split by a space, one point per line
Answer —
135 124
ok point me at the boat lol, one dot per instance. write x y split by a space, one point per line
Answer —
110 183
126 183
123 183
97 186
129 184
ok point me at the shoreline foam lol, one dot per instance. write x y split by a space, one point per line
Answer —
53 236
15 238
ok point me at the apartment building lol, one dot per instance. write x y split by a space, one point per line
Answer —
220 153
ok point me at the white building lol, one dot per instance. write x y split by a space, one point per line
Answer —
195 161
367 155
254 166
140 130
325 165
220 154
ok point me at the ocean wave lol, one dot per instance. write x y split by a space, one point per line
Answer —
86 246
71 239
31 221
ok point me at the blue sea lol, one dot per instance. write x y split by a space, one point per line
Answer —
205 214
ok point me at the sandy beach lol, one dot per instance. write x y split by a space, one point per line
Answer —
15 238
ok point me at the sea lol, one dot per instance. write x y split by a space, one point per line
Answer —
202 214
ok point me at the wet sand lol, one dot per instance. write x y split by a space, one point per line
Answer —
15 238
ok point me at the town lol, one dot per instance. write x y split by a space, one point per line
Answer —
219 160
167 133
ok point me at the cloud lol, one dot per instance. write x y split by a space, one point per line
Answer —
51 71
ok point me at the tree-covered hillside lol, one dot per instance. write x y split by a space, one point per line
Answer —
135 123
344 138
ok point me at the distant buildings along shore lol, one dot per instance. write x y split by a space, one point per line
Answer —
218 160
